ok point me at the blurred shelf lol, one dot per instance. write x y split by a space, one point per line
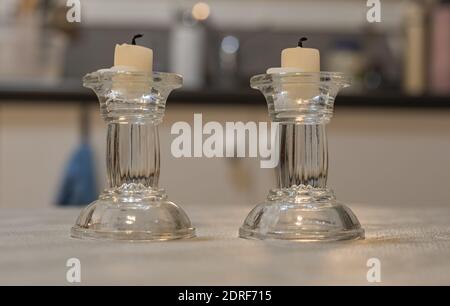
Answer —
72 92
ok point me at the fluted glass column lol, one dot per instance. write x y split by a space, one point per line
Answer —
303 155
132 155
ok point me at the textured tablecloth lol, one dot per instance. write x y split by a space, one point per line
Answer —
413 246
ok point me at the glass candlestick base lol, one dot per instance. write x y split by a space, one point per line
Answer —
301 213
140 214
302 207
133 207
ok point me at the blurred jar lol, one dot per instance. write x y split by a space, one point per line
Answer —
29 50
440 53
348 56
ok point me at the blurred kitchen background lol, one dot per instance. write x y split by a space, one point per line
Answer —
389 141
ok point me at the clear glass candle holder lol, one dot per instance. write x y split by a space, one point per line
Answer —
133 207
302 207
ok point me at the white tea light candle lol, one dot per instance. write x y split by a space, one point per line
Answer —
304 59
299 60
136 57
131 58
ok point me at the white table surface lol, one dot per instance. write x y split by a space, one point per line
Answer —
413 246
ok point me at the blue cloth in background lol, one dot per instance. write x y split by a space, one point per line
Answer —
79 186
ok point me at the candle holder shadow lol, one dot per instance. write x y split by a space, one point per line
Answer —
301 207
133 207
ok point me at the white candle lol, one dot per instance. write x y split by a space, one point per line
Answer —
300 59
136 57
132 58
304 59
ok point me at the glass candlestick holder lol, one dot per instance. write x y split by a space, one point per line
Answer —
301 207
133 207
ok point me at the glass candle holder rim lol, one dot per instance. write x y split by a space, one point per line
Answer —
320 78
159 79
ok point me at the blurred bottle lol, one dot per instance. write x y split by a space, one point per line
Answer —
228 62
187 45
415 59
440 53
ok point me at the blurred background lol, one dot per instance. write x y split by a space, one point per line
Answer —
389 141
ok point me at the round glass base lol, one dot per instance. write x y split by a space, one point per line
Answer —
133 216
304 214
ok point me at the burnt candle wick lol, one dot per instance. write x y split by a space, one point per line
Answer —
133 42
300 42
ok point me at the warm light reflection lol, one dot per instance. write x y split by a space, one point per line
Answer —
130 220
200 11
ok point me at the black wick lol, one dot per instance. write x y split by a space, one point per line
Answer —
133 42
300 42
